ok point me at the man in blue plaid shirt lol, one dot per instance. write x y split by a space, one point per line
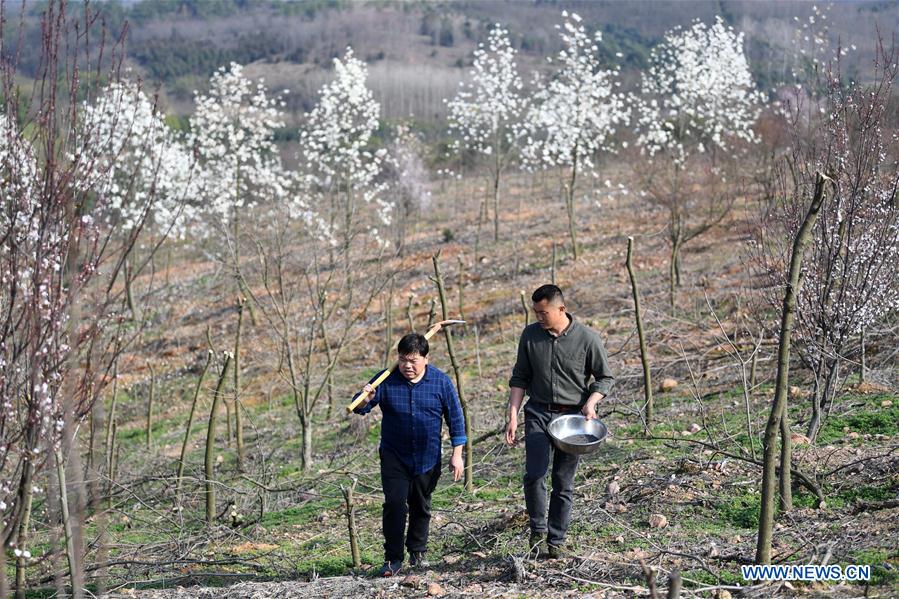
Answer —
414 400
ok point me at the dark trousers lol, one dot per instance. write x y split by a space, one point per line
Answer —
405 492
539 451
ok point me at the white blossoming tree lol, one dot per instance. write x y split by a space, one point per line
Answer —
143 170
58 311
239 165
850 279
698 102
485 116
576 113
144 163
335 148
345 177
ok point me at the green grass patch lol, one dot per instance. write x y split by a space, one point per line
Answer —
741 511
884 567
878 421
300 514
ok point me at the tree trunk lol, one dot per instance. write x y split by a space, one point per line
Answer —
150 407
786 461
388 326
109 423
496 205
861 369
524 308
438 278
129 288
209 461
22 542
351 523
461 288
552 270
242 289
77 590
190 420
409 315
644 358
306 437
674 269
432 313
766 516
238 418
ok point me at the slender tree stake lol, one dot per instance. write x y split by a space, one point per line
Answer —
644 358
238 419
409 313
650 575
77 591
210 444
552 270
766 516
351 523
674 585
861 371
438 278
22 543
388 328
462 285
477 350
753 368
109 423
432 314
150 407
786 461
190 420
524 308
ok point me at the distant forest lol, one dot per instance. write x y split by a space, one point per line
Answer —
418 51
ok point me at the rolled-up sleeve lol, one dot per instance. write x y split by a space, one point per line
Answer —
599 367
522 371
452 412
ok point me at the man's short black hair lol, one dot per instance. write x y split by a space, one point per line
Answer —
550 293
413 343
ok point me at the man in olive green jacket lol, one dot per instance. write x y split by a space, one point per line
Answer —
563 367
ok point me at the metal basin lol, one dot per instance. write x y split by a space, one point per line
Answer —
576 435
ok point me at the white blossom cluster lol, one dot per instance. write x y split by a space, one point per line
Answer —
850 279
140 162
576 113
232 131
34 246
18 176
335 141
486 112
698 93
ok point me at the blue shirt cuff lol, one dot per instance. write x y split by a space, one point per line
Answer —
456 441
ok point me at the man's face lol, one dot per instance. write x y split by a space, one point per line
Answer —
412 365
551 315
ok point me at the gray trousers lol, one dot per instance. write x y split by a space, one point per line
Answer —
539 451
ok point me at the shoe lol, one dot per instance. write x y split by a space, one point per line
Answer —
558 552
390 569
537 544
419 559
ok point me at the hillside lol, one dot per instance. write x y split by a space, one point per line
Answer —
417 51
284 525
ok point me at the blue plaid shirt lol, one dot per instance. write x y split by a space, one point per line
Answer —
414 414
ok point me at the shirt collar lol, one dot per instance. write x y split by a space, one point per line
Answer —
567 329
426 376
